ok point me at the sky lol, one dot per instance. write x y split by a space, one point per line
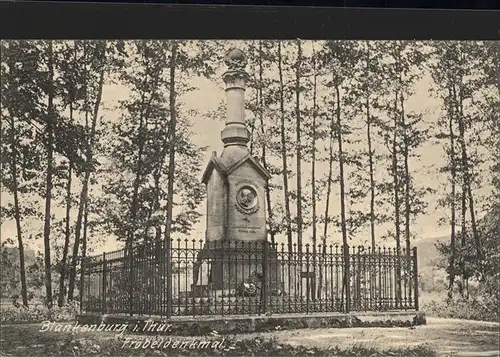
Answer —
208 96
426 226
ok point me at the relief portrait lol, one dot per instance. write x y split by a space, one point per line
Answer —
247 198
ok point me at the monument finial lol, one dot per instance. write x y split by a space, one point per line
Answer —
235 59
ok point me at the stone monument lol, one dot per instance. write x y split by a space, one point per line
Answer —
236 184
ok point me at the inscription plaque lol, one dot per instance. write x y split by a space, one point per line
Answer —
248 229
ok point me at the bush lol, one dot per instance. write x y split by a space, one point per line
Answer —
482 304
471 309
15 314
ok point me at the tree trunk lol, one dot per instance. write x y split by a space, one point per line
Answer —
67 232
171 164
155 206
467 191
407 182
284 153
396 199
299 153
62 277
257 100
463 197
328 190
451 272
313 179
157 176
371 170
48 190
252 126
137 179
346 280
172 138
370 157
263 156
85 203
85 187
143 123
17 214
463 233
467 177
84 247
407 194
329 181
84 242
373 276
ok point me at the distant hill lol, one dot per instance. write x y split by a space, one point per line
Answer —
13 253
427 253
489 224
432 276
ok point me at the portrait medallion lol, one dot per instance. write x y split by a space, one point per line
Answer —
247 201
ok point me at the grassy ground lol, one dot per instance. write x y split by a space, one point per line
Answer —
27 340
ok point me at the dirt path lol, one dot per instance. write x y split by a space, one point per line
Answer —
449 337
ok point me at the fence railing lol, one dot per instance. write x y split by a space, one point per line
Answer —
226 278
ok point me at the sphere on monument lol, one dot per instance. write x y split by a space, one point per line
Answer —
235 59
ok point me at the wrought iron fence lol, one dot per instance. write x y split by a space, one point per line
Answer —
188 277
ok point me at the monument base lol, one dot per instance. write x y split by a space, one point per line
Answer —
200 290
234 263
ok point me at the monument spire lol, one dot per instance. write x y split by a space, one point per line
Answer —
235 132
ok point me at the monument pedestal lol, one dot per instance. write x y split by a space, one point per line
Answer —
230 264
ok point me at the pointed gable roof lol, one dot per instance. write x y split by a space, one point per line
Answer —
214 163
218 164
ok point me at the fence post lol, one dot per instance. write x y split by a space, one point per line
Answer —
168 256
265 276
415 277
104 283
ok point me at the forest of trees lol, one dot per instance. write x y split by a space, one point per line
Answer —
329 120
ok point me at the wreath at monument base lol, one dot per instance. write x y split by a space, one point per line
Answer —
247 289
250 287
